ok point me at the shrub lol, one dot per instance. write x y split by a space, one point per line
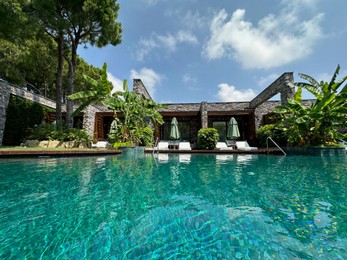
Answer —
49 132
41 132
22 115
273 131
146 136
121 144
207 138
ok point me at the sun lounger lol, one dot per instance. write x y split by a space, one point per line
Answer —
243 145
223 146
100 144
184 146
162 145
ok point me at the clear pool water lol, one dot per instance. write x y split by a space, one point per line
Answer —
174 206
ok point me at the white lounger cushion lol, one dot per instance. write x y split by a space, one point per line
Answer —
184 146
163 145
223 146
243 145
100 144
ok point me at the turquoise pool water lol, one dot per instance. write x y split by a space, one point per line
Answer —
174 206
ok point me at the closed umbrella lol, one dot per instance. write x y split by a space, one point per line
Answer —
174 132
233 129
113 128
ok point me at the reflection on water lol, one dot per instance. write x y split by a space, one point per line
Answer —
174 205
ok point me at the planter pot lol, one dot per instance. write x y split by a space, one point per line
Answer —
322 151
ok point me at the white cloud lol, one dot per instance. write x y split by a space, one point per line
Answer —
117 83
193 20
153 2
188 79
276 39
228 93
146 47
149 78
166 42
186 37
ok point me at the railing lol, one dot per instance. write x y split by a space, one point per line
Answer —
156 145
344 143
267 144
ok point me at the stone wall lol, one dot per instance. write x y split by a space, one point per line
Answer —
283 85
181 107
140 89
227 106
89 120
6 90
264 109
4 99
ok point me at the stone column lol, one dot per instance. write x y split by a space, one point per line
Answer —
4 100
204 115
287 93
89 120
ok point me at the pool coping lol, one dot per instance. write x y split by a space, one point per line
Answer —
237 151
46 153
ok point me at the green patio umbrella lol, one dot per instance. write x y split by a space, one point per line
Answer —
113 128
233 129
174 132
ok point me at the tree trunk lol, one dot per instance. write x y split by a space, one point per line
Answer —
70 85
58 79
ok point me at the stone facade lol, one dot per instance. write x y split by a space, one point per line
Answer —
6 90
89 119
4 99
140 89
283 85
253 110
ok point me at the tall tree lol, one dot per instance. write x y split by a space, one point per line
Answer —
51 15
78 22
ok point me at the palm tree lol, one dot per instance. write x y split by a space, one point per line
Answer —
321 122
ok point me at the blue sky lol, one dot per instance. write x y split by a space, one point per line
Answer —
223 50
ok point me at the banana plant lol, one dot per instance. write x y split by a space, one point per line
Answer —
101 89
322 122
132 113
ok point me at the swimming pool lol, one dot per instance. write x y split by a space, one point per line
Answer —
174 206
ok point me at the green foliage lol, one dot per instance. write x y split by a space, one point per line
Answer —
71 23
21 116
275 131
100 89
321 122
50 132
133 114
41 132
121 144
207 138
145 136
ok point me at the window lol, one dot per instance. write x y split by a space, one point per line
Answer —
183 126
221 127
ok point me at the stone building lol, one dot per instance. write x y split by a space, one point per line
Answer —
191 116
